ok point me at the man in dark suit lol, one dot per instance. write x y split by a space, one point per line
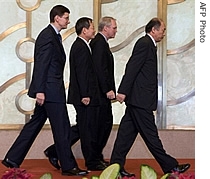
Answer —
84 73
84 92
138 89
104 64
47 87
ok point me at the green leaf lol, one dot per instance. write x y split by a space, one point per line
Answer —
165 176
148 172
46 176
111 172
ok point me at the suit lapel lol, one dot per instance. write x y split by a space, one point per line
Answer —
57 40
154 48
82 41
107 45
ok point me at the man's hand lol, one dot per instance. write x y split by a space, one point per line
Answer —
85 101
120 97
40 97
110 95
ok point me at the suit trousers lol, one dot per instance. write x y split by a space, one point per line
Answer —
105 126
137 120
74 137
58 117
87 120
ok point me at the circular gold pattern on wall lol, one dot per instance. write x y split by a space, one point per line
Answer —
31 5
12 81
17 102
26 7
18 49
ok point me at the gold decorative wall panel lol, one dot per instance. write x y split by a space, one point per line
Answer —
33 16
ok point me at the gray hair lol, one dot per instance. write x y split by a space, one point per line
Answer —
104 21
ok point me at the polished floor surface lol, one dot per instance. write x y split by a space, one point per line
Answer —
38 167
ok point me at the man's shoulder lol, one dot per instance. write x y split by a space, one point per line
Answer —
78 46
98 37
144 40
98 41
48 30
44 33
78 42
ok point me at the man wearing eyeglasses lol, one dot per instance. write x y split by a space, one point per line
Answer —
47 87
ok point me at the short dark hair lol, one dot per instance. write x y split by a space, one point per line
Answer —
83 22
154 22
58 10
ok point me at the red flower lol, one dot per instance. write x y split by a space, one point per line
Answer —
187 176
16 173
182 176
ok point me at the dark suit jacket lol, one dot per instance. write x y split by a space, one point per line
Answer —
49 64
104 63
83 80
139 82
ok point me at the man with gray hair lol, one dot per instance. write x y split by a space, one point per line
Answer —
104 63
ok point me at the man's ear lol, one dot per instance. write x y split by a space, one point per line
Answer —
153 29
105 28
84 30
56 18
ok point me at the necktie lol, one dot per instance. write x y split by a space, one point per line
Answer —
59 37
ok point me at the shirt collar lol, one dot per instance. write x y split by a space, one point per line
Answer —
152 39
103 36
85 42
56 30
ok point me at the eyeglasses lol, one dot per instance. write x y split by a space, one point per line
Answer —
66 18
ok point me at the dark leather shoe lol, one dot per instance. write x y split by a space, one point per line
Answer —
10 164
104 162
98 167
124 173
181 168
52 160
75 171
